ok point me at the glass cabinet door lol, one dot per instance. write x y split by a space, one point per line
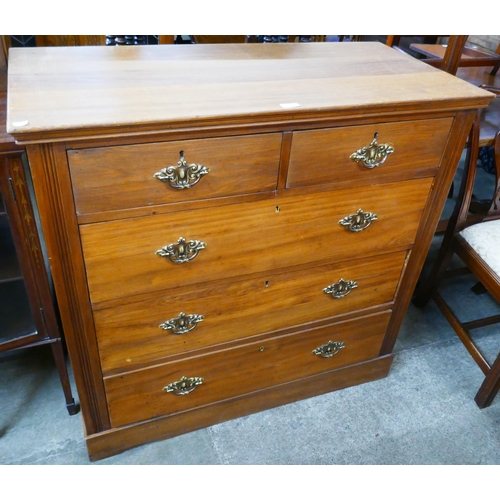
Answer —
17 324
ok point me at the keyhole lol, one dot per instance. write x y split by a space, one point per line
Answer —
267 284
277 208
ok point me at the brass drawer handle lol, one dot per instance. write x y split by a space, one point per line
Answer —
182 176
182 324
359 221
182 251
373 155
341 288
329 349
183 386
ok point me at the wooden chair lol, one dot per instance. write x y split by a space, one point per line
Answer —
457 54
476 241
489 121
472 65
449 56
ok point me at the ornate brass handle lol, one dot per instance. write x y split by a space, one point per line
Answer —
183 386
182 251
373 155
183 323
182 176
359 221
340 289
329 349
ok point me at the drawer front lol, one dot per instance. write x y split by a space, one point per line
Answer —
139 395
121 256
323 156
122 177
130 333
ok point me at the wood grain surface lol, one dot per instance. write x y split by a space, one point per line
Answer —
88 91
120 256
323 156
123 177
128 331
139 395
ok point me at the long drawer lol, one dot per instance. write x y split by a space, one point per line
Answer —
324 156
122 256
120 177
140 395
161 325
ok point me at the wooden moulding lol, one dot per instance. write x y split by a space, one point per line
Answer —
286 125
115 441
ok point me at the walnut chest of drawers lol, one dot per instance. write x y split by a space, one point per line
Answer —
232 228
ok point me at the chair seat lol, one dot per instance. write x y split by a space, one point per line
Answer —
484 238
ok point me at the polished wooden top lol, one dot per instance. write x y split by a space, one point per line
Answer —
59 93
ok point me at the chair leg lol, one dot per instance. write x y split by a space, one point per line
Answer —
490 386
60 360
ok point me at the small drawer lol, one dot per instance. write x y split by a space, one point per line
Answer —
140 395
120 177
133 256
153 328
324 156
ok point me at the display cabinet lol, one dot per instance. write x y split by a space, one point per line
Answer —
28 311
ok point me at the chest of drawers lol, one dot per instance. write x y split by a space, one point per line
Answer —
232 228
